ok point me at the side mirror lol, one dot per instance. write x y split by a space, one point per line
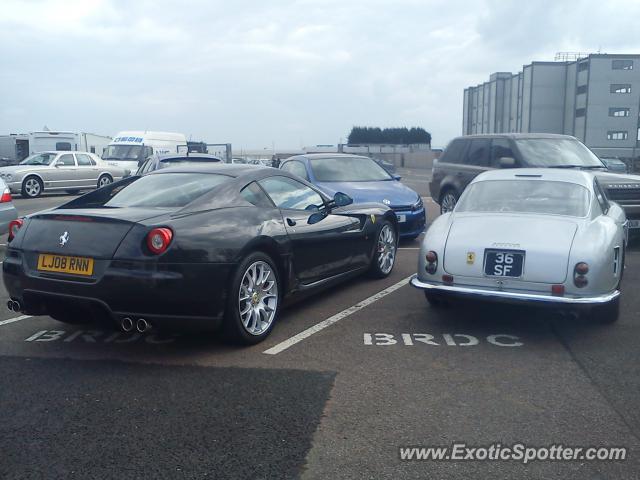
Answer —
507 162
396 177
342 199
59 163
316 217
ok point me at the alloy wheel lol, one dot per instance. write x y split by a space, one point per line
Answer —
32 187
448 202
258 298
104 181
386 249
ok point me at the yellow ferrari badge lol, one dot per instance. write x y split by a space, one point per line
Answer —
373 218
471 257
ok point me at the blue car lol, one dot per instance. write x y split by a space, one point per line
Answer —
363 180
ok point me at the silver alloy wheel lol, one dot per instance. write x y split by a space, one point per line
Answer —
448 203
258 298
104 180
32 187
386 249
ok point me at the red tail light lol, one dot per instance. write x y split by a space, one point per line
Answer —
6 196
14 226
557 290
432 262
158 240
448 279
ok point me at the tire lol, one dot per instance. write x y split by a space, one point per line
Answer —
104 180
32 187
386 248
448 200
246 305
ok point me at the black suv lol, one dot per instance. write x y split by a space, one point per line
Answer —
466 157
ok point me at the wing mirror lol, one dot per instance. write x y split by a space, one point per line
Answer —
396 177
58 163
316 217
342 200
507 162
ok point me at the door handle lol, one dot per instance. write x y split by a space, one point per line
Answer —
291 222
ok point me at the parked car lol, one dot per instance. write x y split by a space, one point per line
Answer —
193 246
158 161
365 181
8 210
59 170
529 236
466 157
614 164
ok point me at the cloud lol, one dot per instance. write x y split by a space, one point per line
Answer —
283 71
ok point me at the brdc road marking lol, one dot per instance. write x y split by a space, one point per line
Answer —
280 347
98 336
441 339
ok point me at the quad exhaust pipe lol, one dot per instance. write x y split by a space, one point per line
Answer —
141 325
14 306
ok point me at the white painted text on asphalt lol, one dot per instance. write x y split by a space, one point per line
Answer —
96 336
446 339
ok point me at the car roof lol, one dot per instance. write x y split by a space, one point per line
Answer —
570 175
516 136
232 170
62 151
312 156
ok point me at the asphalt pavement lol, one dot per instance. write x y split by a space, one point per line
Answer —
379 371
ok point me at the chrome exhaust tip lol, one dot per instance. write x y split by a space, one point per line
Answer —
16 306
142 325
10 305
126 324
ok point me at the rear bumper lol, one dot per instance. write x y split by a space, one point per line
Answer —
174 295
512 297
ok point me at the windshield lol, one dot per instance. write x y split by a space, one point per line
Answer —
39 159
348 169
525 196
557 152
122 152
166 190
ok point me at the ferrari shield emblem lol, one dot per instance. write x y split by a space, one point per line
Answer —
373 218
471 257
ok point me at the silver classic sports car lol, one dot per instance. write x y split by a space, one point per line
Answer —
59 170
532 236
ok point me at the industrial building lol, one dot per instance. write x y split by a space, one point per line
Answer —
594 97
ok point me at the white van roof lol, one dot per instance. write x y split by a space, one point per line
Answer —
140 136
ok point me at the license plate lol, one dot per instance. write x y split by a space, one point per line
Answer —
402 218
65 264
634 223
503 263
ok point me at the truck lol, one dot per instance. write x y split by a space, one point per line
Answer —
129 149
16 147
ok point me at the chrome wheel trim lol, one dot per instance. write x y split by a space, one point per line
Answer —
32 187
104 181
449 201
258 298
386 249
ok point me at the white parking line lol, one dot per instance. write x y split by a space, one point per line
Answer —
280 347
16 319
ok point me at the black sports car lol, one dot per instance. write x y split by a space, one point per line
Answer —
199 246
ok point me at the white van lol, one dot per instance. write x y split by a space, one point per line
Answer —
129 149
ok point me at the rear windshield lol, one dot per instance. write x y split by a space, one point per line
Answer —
526 196
169 190
348 169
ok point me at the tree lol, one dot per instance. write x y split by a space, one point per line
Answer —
392 136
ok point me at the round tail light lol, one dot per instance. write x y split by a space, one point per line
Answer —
14 226
432 257
158 240
582 268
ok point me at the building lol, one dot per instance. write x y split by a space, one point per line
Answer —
594 97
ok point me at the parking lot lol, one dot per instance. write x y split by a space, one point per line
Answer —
346 379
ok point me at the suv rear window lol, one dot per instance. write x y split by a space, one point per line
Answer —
454 151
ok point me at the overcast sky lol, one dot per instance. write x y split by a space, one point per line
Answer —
291 73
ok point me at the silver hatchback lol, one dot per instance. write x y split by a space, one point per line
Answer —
59 170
